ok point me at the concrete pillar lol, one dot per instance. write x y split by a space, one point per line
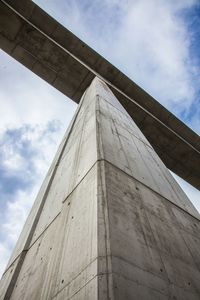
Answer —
109 222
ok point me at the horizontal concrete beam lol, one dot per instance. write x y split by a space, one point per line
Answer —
55 54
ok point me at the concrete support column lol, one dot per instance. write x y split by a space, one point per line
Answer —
109 222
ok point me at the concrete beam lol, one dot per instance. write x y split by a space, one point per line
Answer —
55 54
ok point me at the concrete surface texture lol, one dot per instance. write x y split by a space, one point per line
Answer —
109 222
44 46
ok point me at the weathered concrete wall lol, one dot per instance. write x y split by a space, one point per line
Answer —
110 222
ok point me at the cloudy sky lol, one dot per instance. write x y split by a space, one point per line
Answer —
154 42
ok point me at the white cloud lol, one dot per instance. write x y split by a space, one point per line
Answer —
25 98
160 56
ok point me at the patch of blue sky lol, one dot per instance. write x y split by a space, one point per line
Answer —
11 183
101 16
191 18
16 142
15 178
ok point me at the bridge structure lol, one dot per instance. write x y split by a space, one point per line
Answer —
109 221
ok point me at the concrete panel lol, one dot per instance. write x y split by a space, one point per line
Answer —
134 291
24 236
146 242
72 167
34 268
123 145
88 292
62 262
7 277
